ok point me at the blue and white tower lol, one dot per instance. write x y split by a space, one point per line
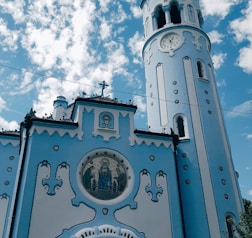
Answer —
181 94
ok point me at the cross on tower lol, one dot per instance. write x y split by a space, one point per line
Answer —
103 85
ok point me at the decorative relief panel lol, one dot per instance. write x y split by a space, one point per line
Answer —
105 231
61 131
153 188
52 182
104 177
5 142
106 120
147 54
106 124
102 231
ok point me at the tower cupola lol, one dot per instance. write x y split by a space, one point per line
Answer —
60 106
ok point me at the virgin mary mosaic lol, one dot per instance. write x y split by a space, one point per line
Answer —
104 177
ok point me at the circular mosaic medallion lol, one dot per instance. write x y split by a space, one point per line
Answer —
104 175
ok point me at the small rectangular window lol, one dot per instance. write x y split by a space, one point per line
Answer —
200 69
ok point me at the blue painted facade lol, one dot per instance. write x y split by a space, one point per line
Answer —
9 167
87 172
52 199
181 94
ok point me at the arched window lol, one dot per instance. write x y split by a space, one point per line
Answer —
181 126
175 14
200 18
229 223
201 70
161 21
191 13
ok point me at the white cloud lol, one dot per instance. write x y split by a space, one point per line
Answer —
27 83
119 15
105 29
245 58
116 57
13 77
14 8
219 59
8 125
136 46
241 28
244 109
249 136
104 5
132 1
250 192
79 42
39 44
140 102
8 38
221 83
135 8
48 90
219 8
136 11
62 43
215 37
2 104
20 83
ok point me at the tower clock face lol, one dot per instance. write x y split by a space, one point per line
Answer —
170 41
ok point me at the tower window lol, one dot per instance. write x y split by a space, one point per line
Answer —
191 13
175 14
161 21
181 127
200 18
229 222
201 70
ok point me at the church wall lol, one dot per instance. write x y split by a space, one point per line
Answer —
86 172
52 190
9 161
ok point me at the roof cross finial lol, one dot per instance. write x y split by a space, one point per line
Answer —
104 85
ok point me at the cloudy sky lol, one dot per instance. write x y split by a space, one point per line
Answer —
67 47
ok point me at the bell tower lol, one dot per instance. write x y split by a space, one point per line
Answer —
182 95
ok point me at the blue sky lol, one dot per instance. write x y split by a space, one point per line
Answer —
67 47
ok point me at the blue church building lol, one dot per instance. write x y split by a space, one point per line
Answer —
86 171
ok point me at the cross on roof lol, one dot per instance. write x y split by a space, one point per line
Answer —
103 85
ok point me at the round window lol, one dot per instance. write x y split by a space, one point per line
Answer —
104 176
